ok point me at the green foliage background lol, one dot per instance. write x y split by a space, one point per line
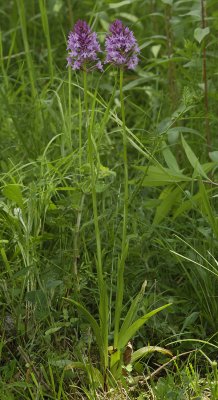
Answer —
172 156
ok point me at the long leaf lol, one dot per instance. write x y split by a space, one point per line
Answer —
130 332
104 316
193 159
170 158
160 176
119 294
95 327
144 351
132 310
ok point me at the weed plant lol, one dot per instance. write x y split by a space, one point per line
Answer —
108 189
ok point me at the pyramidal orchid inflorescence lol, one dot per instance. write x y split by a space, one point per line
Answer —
121 46
83 47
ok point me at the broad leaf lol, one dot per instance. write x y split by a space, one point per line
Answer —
214 155
201 33
13 193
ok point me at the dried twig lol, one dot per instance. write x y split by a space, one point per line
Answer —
168 362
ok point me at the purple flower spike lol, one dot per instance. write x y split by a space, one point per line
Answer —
121 46
83 47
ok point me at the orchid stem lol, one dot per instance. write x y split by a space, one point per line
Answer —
121 262
103 303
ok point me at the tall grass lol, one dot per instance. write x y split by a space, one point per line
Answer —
106 189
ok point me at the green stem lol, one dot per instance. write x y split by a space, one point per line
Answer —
103 303
21 11
69 108
121 263
85 95
45 25
93 178
95 212
80 135
125 162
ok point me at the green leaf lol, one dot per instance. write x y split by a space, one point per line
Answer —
13 193
52 330
37 297
93 373
169 197
94 325
170 158
174 133
207 167
196 13
137 82
190 320
187 205
5 259
207 209
201 33
193 159
52 284
144 351
213 156
155 50
169 2
160 176
130 332
172 136
104 316
132 310
120 4
129 17
60 363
